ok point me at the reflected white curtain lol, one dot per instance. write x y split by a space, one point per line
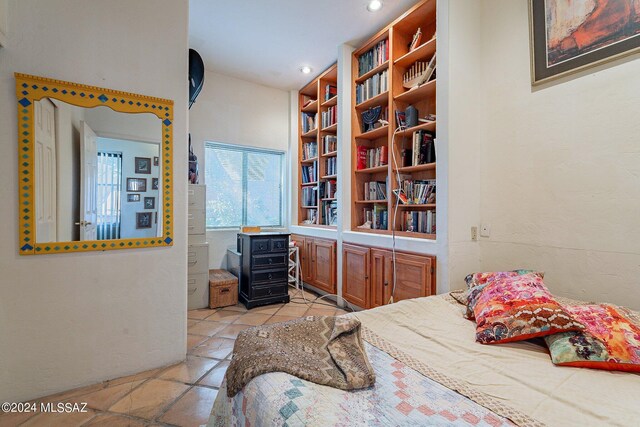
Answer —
109 195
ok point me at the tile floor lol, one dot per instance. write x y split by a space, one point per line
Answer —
177 395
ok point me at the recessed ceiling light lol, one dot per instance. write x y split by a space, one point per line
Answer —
305 70
374 5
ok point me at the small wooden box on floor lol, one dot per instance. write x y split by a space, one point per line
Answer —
223 289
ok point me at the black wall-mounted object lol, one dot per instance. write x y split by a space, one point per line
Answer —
196 75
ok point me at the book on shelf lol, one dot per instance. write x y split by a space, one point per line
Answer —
401 120
310 196
401 196
309 150
330 91
328 189
377 216
309 121
331 165
423 147
373 86
375 190
310 172
418 192
330 212
371 157
419 221
374 57
330 143
330 117
306 100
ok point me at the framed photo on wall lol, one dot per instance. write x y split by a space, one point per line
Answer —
156 161
569 36
143 219
149 202
143 164
154 183
137 185
133 197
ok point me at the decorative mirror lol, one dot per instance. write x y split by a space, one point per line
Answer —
95 168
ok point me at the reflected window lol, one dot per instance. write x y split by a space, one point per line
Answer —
244 186
109 184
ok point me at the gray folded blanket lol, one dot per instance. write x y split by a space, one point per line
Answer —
322 349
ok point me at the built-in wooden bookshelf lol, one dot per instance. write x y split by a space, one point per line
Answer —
318 150
389 55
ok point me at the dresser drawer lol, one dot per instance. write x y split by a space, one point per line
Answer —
266 276
196 221
279 244
196 196
198 290
268 261
269 291
198 258
260 246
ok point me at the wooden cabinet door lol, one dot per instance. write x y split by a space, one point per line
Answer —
381 277
355 275
413 276
307 263
323 259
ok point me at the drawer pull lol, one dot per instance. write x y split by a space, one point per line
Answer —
225 290
270 276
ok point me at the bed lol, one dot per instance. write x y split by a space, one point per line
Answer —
430 371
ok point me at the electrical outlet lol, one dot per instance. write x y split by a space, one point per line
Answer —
474 233
485 230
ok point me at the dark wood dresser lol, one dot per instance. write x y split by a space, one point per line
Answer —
263 272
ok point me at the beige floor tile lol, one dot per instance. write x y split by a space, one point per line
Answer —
111 420
200 314
237 307
341 312
191 322
193 409
267 309
217 348
194 341
293 310
278 319
215 377
67 419
62 396
11 419
232 331
103 399
206 328
150 399
189 371
325 311
224 316
253 319
135 377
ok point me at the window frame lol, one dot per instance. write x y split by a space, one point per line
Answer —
246 150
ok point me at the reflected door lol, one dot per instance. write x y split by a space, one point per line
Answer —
45 170
88 183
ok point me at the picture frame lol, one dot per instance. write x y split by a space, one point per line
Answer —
143 164
133 197
156 161
566 37
143 219
137 184
154 183
149 202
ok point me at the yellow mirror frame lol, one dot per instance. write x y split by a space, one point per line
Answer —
30 89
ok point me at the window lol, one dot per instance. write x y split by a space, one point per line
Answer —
108 184
244 186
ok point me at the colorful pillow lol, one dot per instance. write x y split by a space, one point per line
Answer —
477 281
518 308
610 341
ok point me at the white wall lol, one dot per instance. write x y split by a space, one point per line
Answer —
560 167
73 319
235 111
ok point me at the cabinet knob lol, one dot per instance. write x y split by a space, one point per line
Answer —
270 277
386 283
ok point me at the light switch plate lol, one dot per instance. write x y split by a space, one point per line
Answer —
485 230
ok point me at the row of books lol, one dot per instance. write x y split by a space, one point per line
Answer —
419 221
330 212
371 157
416 192
374 85
309 196
331 166
377 55
330 143
309 150
309 121
375 190
330 117
328 189
330 91
378 216
310 172
422 151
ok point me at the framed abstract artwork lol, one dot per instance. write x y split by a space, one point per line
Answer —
569 36
143 165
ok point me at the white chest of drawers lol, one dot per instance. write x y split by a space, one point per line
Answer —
198 250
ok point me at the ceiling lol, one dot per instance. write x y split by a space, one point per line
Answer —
268 41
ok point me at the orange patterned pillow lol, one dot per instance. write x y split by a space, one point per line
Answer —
518 308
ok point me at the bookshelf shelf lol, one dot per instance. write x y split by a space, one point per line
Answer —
376 100
392 44
423 52
415 95
317 205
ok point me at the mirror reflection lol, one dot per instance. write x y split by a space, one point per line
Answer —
96 173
